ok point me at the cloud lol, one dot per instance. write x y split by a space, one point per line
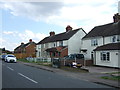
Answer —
66 12
33 10
85 13
28 34
7 32
12 39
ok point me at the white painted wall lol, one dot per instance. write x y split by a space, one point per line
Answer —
86 44
74 43
42 47
108 40
114 59
38 48
65 43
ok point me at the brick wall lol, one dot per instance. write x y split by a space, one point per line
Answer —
31 50
64 52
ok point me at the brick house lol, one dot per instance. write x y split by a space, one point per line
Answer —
102 43
26 50
60 45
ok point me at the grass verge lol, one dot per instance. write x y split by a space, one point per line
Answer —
111 76
117 78
39 63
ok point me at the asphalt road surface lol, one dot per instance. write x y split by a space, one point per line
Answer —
17 75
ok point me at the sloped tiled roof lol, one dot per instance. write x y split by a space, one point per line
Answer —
59 37
104 30
21 46
110 46
55 49
24 45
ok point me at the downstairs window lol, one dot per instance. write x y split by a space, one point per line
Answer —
105 56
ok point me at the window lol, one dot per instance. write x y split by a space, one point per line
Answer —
94 42
118 38
54 44
61 43
43 45
105 56
114 39
92 55
46 45
53 54
39 54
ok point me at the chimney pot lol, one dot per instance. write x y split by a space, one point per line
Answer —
68 28
52 33
30 40
22 43
116 17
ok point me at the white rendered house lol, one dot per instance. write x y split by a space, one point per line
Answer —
100 44
62 44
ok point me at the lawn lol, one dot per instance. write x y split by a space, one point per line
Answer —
111 76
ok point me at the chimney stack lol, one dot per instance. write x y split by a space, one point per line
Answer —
22 43
68 28
52 33
30 40
116 17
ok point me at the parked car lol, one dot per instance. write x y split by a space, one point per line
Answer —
73 58
10 58
3 57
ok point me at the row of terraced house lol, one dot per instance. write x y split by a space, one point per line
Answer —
101 45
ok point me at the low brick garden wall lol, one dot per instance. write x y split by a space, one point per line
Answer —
87 62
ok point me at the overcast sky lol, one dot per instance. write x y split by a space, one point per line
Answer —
24 20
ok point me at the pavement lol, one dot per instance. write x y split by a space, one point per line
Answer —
93 76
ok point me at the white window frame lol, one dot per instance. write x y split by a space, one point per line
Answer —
114 39
94 42
105 56
118 38
60 43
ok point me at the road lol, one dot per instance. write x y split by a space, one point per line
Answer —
17 75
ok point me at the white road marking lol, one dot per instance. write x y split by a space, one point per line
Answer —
10 68
27 78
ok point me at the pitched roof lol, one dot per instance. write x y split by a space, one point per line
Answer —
105 30
59 37
24 45
110 46
55 49
21 46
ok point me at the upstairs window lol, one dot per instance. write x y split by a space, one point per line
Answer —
54 44
114 39
61 43
118 38
94 42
